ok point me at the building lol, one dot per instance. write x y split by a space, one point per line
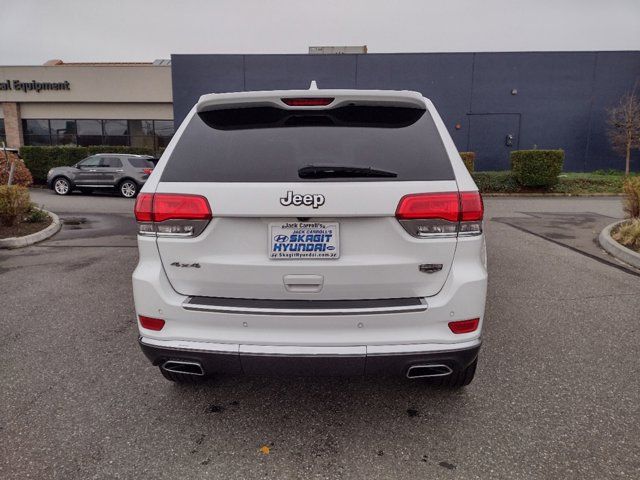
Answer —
492 103
87 104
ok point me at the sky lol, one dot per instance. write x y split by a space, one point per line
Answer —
34 31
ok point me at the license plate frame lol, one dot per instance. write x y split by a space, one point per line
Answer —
320 241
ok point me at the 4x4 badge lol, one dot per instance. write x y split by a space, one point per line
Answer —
310 199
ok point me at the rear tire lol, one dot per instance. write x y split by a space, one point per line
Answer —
62 186
128 189
183 378
458 379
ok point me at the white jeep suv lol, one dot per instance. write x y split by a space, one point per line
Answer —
311 232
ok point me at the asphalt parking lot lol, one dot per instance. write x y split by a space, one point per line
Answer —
556 395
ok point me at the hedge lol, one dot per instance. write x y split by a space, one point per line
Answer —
496 182
469 159
41 159
537 168
120 149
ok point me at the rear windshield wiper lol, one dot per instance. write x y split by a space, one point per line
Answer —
333 171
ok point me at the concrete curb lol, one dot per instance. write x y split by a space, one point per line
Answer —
19 242
621 252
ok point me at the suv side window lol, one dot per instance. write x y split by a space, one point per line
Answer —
111 162
89 162
140 162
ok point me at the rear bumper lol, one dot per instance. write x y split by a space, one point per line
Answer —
377 360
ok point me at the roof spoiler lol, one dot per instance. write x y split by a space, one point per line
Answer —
330 99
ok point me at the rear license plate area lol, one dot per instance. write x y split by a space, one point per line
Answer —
304 240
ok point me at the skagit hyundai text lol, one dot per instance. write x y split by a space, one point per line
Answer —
311 232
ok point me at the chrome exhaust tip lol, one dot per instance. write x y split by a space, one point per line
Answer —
178 366
429 370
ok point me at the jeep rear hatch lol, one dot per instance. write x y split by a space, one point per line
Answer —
303 200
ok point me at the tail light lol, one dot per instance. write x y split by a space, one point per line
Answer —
147 171
442 214
151 323
307 102
464 326
171 214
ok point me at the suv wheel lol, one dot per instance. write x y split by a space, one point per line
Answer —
128 189
62 186
182 377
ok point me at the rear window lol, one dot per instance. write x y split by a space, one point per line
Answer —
269 144
140 162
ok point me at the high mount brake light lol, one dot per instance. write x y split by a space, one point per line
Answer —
307 102
441 214
171 214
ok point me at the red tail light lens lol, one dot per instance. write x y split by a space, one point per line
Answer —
441 214
144 207
445 206
307 102
189 214
151 323
147 170
168 206
464 326
472 206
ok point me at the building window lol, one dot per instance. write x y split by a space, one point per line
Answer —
152 134
142 133
116 132
63 132
164 131
89 132
2 134
36 132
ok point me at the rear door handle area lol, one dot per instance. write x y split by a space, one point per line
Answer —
303 283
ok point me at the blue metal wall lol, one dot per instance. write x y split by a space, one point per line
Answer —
548 100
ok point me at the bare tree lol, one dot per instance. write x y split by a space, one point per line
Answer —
624 126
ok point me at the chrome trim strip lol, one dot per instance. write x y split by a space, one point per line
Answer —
305 311
230 348
417 348
298 350
302 351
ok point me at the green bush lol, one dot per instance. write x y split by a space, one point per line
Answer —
14 204
537 168
495 182
120 149
36 214
41 159
469 159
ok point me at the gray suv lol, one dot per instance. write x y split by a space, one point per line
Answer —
126 173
